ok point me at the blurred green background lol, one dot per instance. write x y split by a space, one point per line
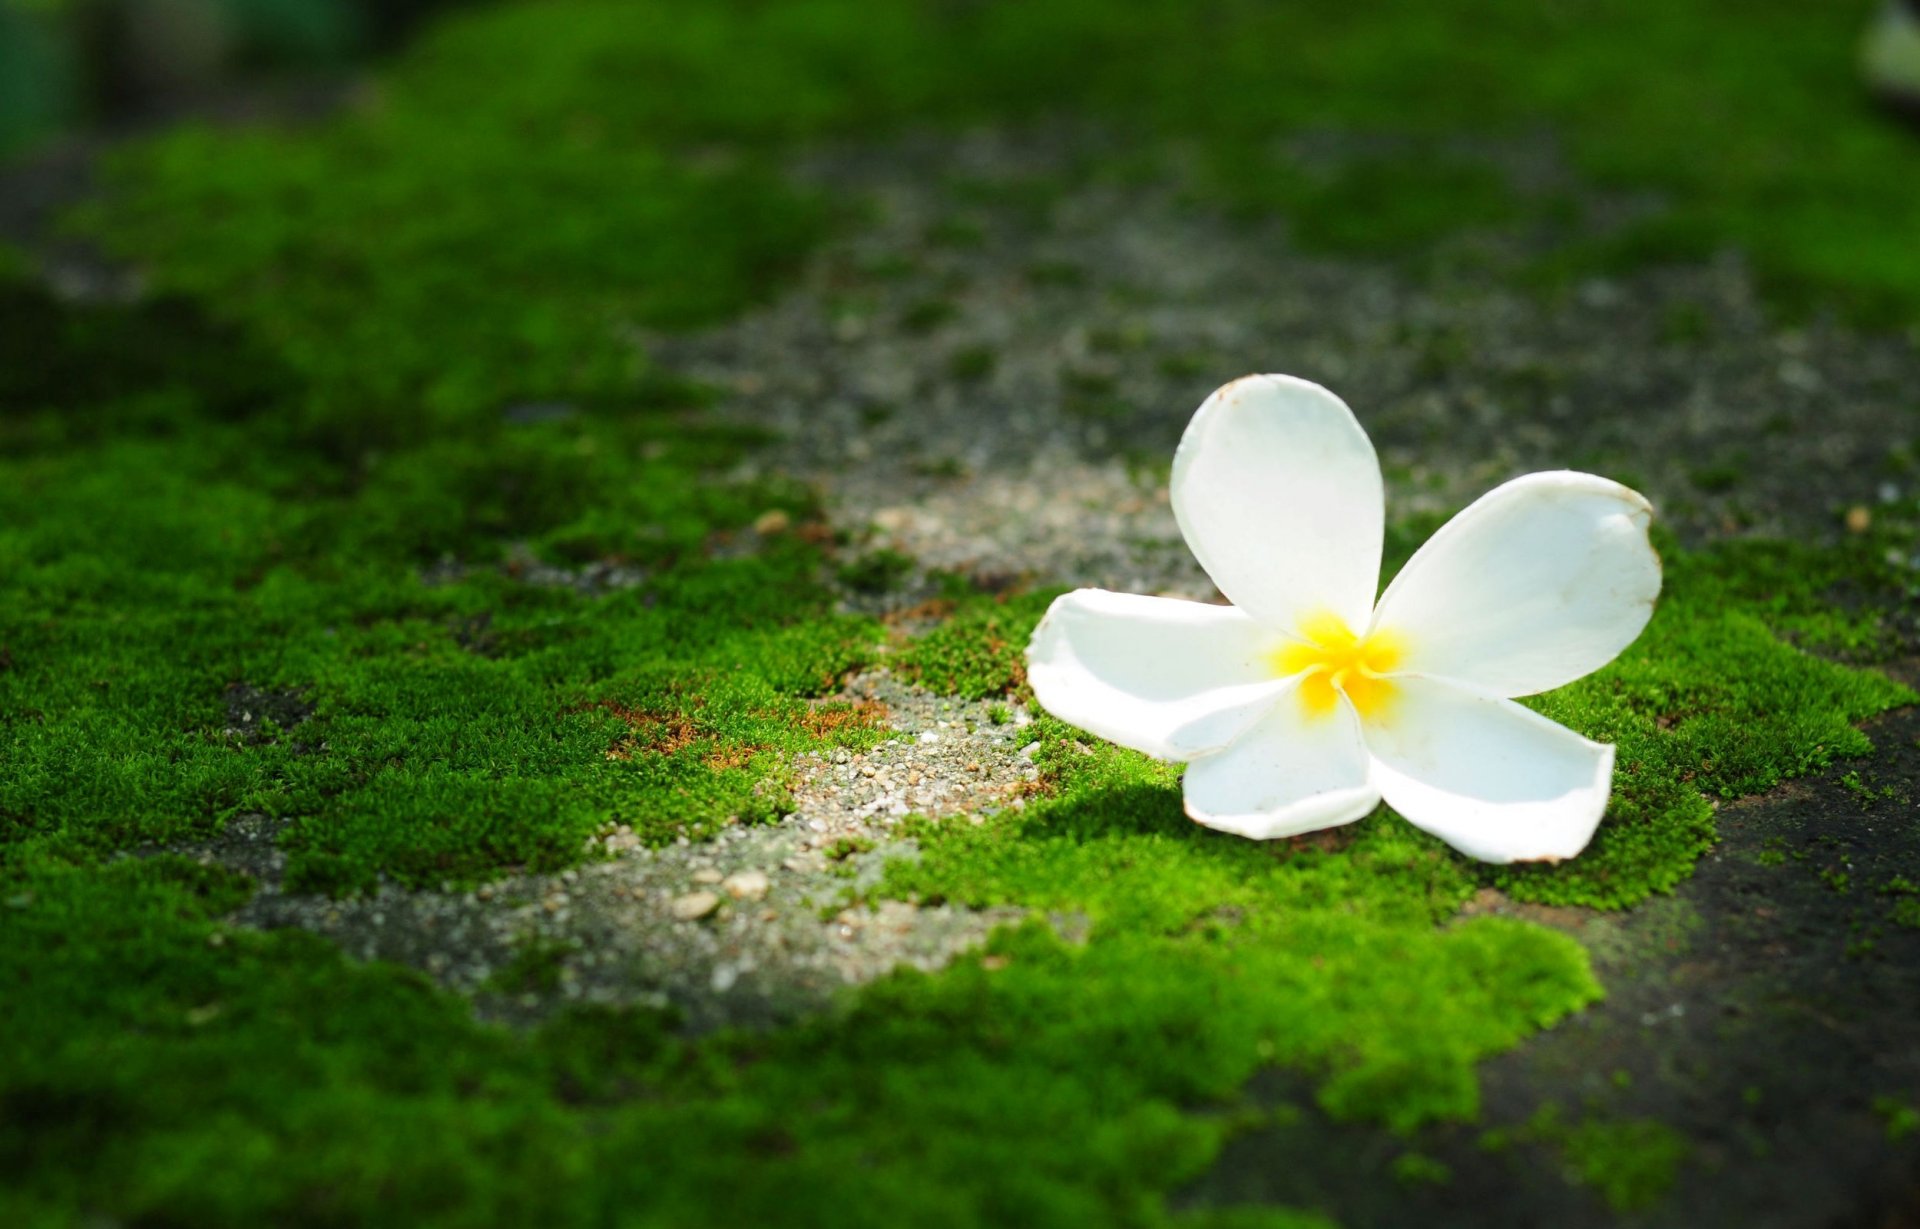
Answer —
1750 118
69 62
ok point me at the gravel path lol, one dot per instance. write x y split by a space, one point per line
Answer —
750 927
990 374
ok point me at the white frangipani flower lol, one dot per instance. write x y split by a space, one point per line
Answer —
1305 703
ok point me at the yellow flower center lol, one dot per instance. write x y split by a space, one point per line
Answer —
1337 662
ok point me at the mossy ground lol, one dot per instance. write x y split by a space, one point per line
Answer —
671 108
1712 702
391 408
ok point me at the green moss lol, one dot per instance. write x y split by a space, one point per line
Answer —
535 967
956 232
972 363
400 265
72 377
846 847
1398 204
928 315
1187 366
877 571
1902 1119
386 441
1251 1218
1056 273
163 1070
980 652
1322 957
461 720
1709 702
1904 907
1631 1163
1419 1169
435 249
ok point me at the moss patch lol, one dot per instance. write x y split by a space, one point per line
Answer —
1306 954
664 119
1630 1163
458 718
1710 702
448 268
166 1069
980 651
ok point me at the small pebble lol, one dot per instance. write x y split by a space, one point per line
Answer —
747 885
694 906
706 874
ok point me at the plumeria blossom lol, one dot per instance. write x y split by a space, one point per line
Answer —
1306 702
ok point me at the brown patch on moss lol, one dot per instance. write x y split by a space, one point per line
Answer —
816 533
1327 840
658 733
1572 919
828 717
730 755
920 612
1016 673
1044 785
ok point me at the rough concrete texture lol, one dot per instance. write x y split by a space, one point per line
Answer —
1006 401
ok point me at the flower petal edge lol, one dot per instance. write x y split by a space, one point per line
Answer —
1277 489
1171 678
1540 581
1490 777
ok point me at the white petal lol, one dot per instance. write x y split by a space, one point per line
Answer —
1277 490
1291 773
1496 781
1171 678
1538 582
